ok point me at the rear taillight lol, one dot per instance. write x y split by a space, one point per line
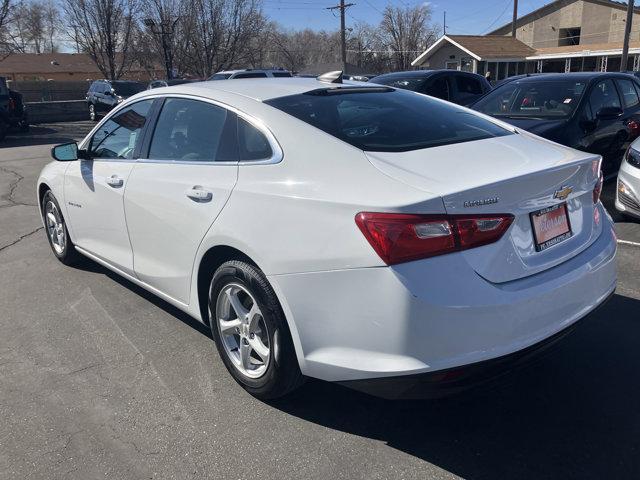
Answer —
597 190
399 237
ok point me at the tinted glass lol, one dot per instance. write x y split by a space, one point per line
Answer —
220 76
190 130
468 86
628 92
127 89
603 95
439 88
253 143
415 84
118 136
282 74
378 119
251 75
533 99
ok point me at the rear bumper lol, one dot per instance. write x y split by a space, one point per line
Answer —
435 314
455 380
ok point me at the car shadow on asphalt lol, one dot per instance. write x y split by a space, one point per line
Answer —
93 267
45 135
573 414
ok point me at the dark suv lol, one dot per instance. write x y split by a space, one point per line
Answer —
103 95
455 86
13 114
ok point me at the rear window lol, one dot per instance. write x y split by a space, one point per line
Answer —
251 75
387 120
220 76
281 74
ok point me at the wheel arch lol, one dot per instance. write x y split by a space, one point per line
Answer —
209 263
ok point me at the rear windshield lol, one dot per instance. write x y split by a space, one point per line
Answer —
387 120
537 98
128 89
220 76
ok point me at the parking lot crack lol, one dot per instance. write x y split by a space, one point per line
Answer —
19 239
12 189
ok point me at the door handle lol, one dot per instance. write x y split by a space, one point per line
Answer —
115 181
199 194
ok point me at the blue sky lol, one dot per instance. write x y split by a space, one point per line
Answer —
463 16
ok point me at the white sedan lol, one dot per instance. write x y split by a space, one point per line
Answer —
345 232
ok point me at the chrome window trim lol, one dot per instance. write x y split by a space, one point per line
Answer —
276 157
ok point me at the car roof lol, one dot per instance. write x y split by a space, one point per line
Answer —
423 73
257 89
585 76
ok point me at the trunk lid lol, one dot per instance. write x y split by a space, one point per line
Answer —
517 174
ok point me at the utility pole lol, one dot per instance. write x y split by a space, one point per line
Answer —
627 34
444 22
515 18
164 30
343 34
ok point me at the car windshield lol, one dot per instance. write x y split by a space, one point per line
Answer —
408 83
220 76
127 89
387 120
533 99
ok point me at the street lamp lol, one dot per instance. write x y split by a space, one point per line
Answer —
165 29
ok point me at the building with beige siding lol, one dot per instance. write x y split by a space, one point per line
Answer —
562 36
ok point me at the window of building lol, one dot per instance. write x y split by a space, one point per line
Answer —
569 36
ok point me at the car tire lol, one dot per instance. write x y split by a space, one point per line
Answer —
57 232
93 116
265 376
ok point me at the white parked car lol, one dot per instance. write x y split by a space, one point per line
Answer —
345 232
628 191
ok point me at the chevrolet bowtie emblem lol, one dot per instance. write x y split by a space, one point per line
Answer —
563 193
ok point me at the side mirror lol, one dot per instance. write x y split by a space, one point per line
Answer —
67 152
608 113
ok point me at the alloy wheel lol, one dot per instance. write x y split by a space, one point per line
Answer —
243 330
55 227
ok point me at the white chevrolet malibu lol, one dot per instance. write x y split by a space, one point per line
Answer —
357 234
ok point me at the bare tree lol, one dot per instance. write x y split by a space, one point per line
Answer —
406 32
52 22
103 29
215 34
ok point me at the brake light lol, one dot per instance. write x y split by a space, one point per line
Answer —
597 190
399 237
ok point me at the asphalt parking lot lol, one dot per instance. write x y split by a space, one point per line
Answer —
99 379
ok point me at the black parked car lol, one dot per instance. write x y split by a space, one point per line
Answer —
103 95
13 113
458 87
593 112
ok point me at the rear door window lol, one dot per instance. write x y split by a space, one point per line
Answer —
387 120
467 87
193 131
438 88
628 93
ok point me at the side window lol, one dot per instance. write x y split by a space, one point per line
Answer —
195 131
251 75
253 143
282 74
628 92
603 95
438 88
118 136
468 86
